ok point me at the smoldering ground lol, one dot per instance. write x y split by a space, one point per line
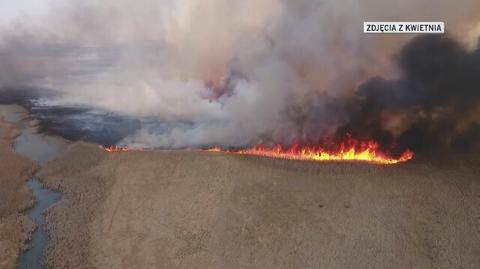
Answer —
235 73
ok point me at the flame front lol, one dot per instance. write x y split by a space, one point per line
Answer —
350 150
353 150
113 149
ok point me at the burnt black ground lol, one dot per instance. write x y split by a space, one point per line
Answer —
73 123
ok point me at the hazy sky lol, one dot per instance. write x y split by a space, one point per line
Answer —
10 9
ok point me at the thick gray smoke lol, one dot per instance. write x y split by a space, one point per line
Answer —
236 72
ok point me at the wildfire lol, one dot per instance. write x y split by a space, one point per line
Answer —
352 150
113 149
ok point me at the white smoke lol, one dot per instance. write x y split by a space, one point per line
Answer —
176 60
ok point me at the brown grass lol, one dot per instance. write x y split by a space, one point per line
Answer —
214 210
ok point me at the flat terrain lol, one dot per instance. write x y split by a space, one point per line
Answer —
15 198
215 210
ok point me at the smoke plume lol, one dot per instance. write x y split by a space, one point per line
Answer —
236 73
436 102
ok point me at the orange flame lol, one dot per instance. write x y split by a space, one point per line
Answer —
113 149
350 150
353 150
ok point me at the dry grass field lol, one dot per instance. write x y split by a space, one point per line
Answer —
213 210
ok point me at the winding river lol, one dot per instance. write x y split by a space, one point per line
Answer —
40 148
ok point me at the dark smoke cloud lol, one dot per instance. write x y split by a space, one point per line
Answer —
436 102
